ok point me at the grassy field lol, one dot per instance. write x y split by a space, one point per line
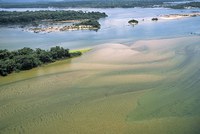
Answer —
150 87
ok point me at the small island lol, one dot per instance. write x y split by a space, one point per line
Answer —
52 21
27 58
133 22
154 19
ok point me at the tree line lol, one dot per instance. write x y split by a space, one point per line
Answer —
97 4
133 21
35 16
27 58
88 4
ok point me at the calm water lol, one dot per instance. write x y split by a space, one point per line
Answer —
114 28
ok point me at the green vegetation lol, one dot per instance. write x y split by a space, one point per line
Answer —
187 5
154 19
133 22
93 23
98 4
34 17
87 3
80 50
27 58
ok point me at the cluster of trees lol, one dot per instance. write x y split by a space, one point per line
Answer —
27 58
93 23
154 19
97 4
88 3
133 21
35 16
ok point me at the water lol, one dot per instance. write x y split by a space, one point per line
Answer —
110 90
114 28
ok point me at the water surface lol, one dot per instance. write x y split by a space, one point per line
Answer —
114 28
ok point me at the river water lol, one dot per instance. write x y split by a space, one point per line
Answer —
114 29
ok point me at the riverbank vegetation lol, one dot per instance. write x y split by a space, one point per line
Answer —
34 17
27 58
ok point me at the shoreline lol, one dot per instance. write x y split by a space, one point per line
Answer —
179 16
61 29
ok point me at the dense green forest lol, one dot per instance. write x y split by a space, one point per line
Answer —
93 4
35 16
97 4
87 3
27 58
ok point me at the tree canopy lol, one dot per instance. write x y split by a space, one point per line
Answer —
27 58
37 16
154 19
133 21
87 4
93 23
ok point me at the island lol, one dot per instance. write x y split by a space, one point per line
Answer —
50 21
133 22
154 19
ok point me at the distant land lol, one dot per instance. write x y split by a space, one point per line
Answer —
15 1
86 3
25 1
